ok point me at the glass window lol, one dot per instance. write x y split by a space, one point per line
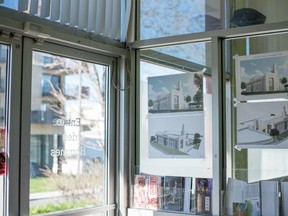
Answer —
175 153
4 61
68 142
256 126
162 18
245 13
50 82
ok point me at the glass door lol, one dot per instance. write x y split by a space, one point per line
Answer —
69 143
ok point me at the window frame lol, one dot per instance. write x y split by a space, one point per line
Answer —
222 148
110 108
12 113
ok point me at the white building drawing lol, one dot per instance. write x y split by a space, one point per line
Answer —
172 140
279 122
268 82
174 100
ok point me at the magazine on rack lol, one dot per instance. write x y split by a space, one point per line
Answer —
187 194
284 196
269 198
242 198
155 192
203 195
147 191
173 193
253 199
140 191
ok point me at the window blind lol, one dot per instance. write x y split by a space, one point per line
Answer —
109 18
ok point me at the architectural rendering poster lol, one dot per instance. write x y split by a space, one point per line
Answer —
262 125
175 93
176 135
176 119
262 76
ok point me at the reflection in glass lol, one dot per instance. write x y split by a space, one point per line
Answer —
252 164
175 127
3 72
67 134
174 92
245 13
160 18
256 124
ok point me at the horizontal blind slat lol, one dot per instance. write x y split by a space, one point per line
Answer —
23 5
116 19
100 17
108 18
55 10
125 17
92 15
74 13
45 9
34 7
65 11
83 14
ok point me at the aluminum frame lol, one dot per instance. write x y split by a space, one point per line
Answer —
13 124
240 32
221 160
84 46
110 175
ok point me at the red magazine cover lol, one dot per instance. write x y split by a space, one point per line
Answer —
155 192
2 163
141 191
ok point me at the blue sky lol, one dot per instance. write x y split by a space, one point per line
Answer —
161 18
257 67
162 85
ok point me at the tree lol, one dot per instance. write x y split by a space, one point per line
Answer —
274 133
152 139
197 135
188 98
243 85
198 97
197 140
284 80
150 103
198 81
90 95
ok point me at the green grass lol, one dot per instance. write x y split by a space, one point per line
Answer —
41 184
48 208
167 150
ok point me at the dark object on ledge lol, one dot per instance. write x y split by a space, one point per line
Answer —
246 17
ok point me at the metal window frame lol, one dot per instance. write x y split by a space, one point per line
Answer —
110 153
14 25
18 174
216 37
13 91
